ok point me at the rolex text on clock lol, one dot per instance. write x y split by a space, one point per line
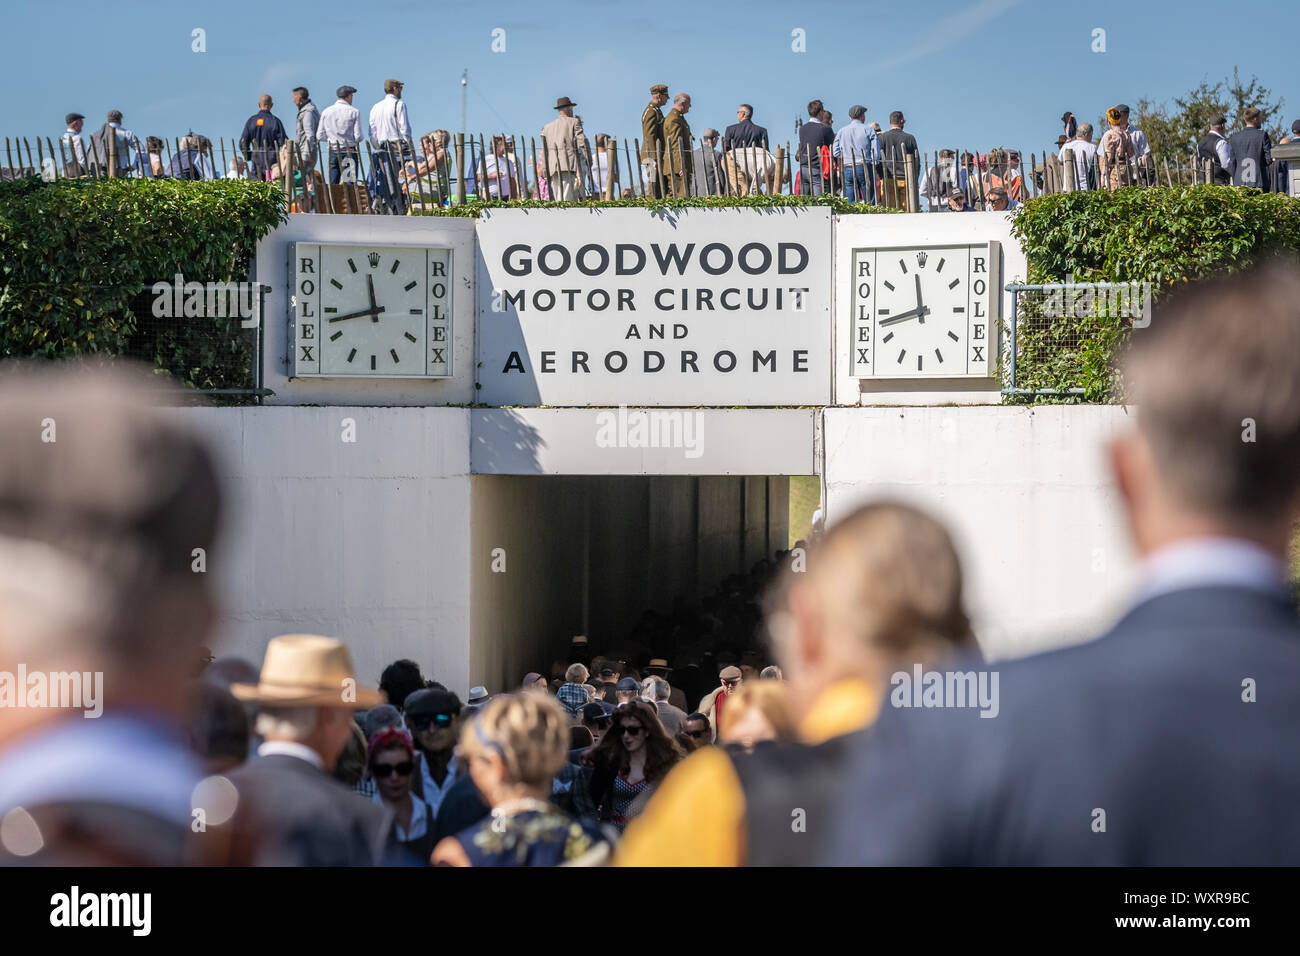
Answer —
370 311
925 312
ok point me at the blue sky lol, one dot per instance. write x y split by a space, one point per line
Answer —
968 73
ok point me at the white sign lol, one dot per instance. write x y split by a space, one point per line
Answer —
634 307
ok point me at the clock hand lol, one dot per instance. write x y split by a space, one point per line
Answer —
370 284
920 313
353 315
919 307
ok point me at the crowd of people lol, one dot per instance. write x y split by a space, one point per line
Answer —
1169 740
859 161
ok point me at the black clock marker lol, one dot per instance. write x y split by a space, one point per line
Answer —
953 336
352 265
939 267
902 265
336 336
889 286
417 312
409 286
372 363
396 263
959 308
918 362
330 308
409 336
393 353
939 356
882 312
953 283
888 337
900 356
336 283
352 355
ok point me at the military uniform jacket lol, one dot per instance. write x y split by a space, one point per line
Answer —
652 132
677 146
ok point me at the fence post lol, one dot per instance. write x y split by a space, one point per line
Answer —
112 153
913 192
778 171
460 169
611 166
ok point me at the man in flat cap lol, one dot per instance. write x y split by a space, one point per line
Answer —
652 140
677 146
105 500
340 128
729 678
291 811
390 136
568 152
74 150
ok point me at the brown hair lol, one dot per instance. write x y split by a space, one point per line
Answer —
661 751
1252 116
815 109
1219 359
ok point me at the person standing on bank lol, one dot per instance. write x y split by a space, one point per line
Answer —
390 135
1252 153
652 140
568 152
262 138
813 135
677 144
75 150
306 127
340 128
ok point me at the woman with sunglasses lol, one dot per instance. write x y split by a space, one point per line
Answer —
392 760
514 747
629 762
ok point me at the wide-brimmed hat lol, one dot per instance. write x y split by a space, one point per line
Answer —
564 101
657 664
307 670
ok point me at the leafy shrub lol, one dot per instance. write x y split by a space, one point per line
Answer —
1158 235
78 256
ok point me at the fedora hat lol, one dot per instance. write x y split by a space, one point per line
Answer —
657 664
564 101
307 670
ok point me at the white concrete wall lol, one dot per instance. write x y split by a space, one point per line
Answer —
367 541
1026 494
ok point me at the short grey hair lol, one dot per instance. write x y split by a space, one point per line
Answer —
746 109
681 98
286 723
710 135
857 112
660 688
1084 132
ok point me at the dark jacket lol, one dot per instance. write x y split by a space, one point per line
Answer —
744 133
895 146
298 816
262 138
1252 155
812 137
710 174
1156 725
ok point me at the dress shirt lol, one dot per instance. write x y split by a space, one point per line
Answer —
433 794
1223 151
1084 154
857 144
1209 562
419 819
72 139
340 123
289 748
388 122
1139 138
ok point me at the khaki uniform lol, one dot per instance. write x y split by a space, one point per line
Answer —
677 153
652 147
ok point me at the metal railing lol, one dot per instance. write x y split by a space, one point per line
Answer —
415 177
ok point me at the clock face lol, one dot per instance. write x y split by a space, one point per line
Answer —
924 312
371 311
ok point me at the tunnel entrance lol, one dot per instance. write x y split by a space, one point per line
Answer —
658 566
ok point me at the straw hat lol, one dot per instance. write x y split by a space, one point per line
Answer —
307 670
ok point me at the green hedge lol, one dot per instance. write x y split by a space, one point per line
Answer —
77 258
837 204
1160 235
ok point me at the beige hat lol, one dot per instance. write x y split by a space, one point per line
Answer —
307 670
730 672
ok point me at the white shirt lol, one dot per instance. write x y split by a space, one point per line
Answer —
419 819
433 793
73 139
1222 150
504 186
1084 152
1209 562
1140 147
340 123
289 748
388 121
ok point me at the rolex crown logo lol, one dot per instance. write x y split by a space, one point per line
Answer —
920 259
374 259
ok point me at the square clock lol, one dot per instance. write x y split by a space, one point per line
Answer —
370 311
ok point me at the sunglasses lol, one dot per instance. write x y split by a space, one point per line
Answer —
731 683
697 734
423 721
382 770
634 729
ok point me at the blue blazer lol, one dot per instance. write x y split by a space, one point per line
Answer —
1141 748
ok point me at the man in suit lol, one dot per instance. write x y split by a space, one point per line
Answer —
897 148
744 144
291 811
677 146
1171 740
813 135
708 176
106 497
568 152
652 140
